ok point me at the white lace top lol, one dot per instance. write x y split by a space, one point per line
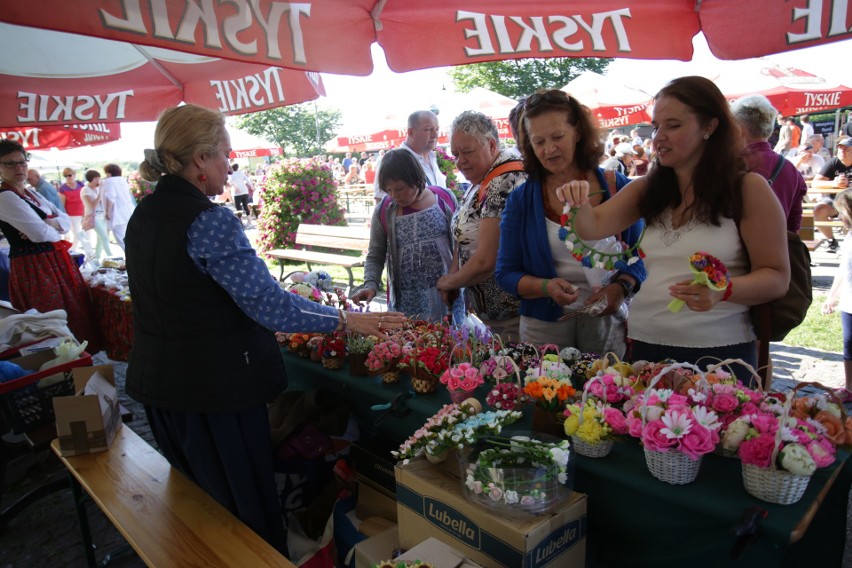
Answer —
668 251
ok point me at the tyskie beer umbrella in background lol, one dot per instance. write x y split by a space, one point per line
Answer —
613 104
62 137
58 78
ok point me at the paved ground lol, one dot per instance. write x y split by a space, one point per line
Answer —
46 533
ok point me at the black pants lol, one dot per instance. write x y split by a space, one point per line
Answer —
241 202
229 455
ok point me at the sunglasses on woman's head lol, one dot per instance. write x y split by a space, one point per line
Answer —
553 96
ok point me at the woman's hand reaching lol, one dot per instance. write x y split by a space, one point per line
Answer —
561 291
575 193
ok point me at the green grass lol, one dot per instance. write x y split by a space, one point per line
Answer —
819 331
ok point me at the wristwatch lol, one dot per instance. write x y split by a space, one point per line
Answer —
626 286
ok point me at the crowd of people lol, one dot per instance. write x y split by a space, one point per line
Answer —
572 238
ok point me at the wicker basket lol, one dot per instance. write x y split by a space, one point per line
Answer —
422 385
675 468
602 448
332 362
390 377
599 450
774 485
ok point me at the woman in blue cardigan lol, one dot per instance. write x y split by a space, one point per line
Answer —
560 143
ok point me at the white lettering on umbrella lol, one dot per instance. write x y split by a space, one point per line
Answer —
52 108
622 111
534 29
826 100
28 138
812 15
202 14
252 90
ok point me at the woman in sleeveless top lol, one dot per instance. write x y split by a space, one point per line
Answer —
560 142
410 233
697 198
43 276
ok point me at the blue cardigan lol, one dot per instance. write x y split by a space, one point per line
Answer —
524 248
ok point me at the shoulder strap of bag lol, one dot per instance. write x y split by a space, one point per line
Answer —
611 184
778 167
504 168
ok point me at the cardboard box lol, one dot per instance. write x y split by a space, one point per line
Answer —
376 548
374 502
430 503
87 421
26 401
372 460
438 554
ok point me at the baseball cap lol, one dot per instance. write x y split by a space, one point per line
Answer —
845 142
624 148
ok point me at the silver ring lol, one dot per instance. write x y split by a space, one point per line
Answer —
380 324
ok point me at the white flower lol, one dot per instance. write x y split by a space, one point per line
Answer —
511 497
706 417
559 456
796 459
677 424
735 434
562 478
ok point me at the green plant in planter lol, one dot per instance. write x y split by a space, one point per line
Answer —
360 344
296 191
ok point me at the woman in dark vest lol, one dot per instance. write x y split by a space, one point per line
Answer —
43 276
205 360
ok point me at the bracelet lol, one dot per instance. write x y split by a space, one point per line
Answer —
729 290
343 320
626 287
544 287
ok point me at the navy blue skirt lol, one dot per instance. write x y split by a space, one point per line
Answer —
229 455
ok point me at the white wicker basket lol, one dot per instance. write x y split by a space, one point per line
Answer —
602 448
774 485
675 468
598 450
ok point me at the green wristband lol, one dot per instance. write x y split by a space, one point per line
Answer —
544 287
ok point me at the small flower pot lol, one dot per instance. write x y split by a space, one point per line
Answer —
357 364
390 377
547 422
459 396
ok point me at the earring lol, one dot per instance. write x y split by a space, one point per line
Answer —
202 177
706 136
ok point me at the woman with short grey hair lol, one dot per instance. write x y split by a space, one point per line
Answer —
493 174
756 117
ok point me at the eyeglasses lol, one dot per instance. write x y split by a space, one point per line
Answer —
553 96
69 175
14 163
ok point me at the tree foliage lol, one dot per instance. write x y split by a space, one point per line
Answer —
294 127
516 78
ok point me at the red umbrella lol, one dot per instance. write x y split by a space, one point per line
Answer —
612 103
62 137
256 152
57 78
334 36
792 91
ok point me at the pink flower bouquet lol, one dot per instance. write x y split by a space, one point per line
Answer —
461 380
384 355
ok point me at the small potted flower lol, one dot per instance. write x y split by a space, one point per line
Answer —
461 380
506 394
425 360
332 351
359 346
314 347
383 358
548 386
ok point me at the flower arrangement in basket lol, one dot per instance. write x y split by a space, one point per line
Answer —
675 431
332 350
549 383
383 358
296 342
426 360
454 426
507 395
781 450
306 291
593 423
580 364
729 399
462 378
518 473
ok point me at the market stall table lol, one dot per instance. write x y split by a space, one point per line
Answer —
114 316
635 519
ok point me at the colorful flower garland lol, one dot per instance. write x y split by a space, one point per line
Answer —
591 257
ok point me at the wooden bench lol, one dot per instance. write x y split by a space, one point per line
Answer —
346 238
167 519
